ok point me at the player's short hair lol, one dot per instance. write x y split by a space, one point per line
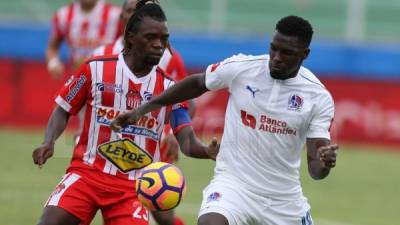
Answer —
143 9
295 26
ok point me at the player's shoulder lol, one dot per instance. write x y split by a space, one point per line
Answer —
64 10
312 83
245 59
161 72
101 58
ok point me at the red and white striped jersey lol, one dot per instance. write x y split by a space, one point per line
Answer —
83 31
171 63
107 87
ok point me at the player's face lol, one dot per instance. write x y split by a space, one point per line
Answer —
149 42
128 10
286 56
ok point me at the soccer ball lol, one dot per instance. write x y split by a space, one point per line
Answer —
160 186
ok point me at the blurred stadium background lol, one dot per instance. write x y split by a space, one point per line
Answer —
356 53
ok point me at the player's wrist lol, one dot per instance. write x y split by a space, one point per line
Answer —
53 63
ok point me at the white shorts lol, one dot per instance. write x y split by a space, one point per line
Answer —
242 207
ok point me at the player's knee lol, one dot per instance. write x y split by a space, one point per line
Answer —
57 216
212 219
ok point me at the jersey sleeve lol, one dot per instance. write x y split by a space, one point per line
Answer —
220 75
72 97
323 117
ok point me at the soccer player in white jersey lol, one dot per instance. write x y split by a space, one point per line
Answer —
99 177
275 107
84 25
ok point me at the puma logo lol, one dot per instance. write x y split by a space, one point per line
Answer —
253 91
149 180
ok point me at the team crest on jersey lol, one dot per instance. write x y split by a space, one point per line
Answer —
295 102
215 196
133 99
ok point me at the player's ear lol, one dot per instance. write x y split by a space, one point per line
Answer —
306 53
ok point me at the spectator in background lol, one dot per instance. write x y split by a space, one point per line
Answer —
121 82
83 25
173 65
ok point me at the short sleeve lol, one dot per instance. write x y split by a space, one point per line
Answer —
322 119
57 31
220 75
75 92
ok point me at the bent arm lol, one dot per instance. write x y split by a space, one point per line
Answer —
191 146
57 123
316 168
191 87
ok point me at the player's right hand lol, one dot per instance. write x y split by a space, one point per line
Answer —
124 120
56 68
42 153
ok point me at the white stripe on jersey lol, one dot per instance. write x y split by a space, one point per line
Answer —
64 104
97 76
112 27
67 180
165 59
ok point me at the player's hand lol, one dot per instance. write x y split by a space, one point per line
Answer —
56 68
327 155
124 120
213 149
42 153
172 148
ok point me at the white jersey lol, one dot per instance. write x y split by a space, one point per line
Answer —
266 124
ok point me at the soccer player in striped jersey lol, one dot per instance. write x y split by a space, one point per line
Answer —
84 25
275 107
172 63
104 165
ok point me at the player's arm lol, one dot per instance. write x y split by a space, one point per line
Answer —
191 87
188 142
321 157
56 125
54 64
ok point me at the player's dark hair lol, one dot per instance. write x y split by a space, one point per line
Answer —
143 9
295 26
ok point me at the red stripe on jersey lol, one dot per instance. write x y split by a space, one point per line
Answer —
104 19
85 28
70 15
108 49
107 99
151 146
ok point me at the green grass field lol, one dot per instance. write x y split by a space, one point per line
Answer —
364 189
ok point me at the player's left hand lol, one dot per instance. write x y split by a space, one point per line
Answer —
327 155
213 149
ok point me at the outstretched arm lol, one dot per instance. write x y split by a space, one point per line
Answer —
55 127
191 87
321 157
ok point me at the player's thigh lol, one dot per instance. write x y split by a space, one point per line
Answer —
125 211
212 219
164 217
225 201
53 215
73 196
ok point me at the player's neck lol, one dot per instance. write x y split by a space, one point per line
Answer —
87 7
138 68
